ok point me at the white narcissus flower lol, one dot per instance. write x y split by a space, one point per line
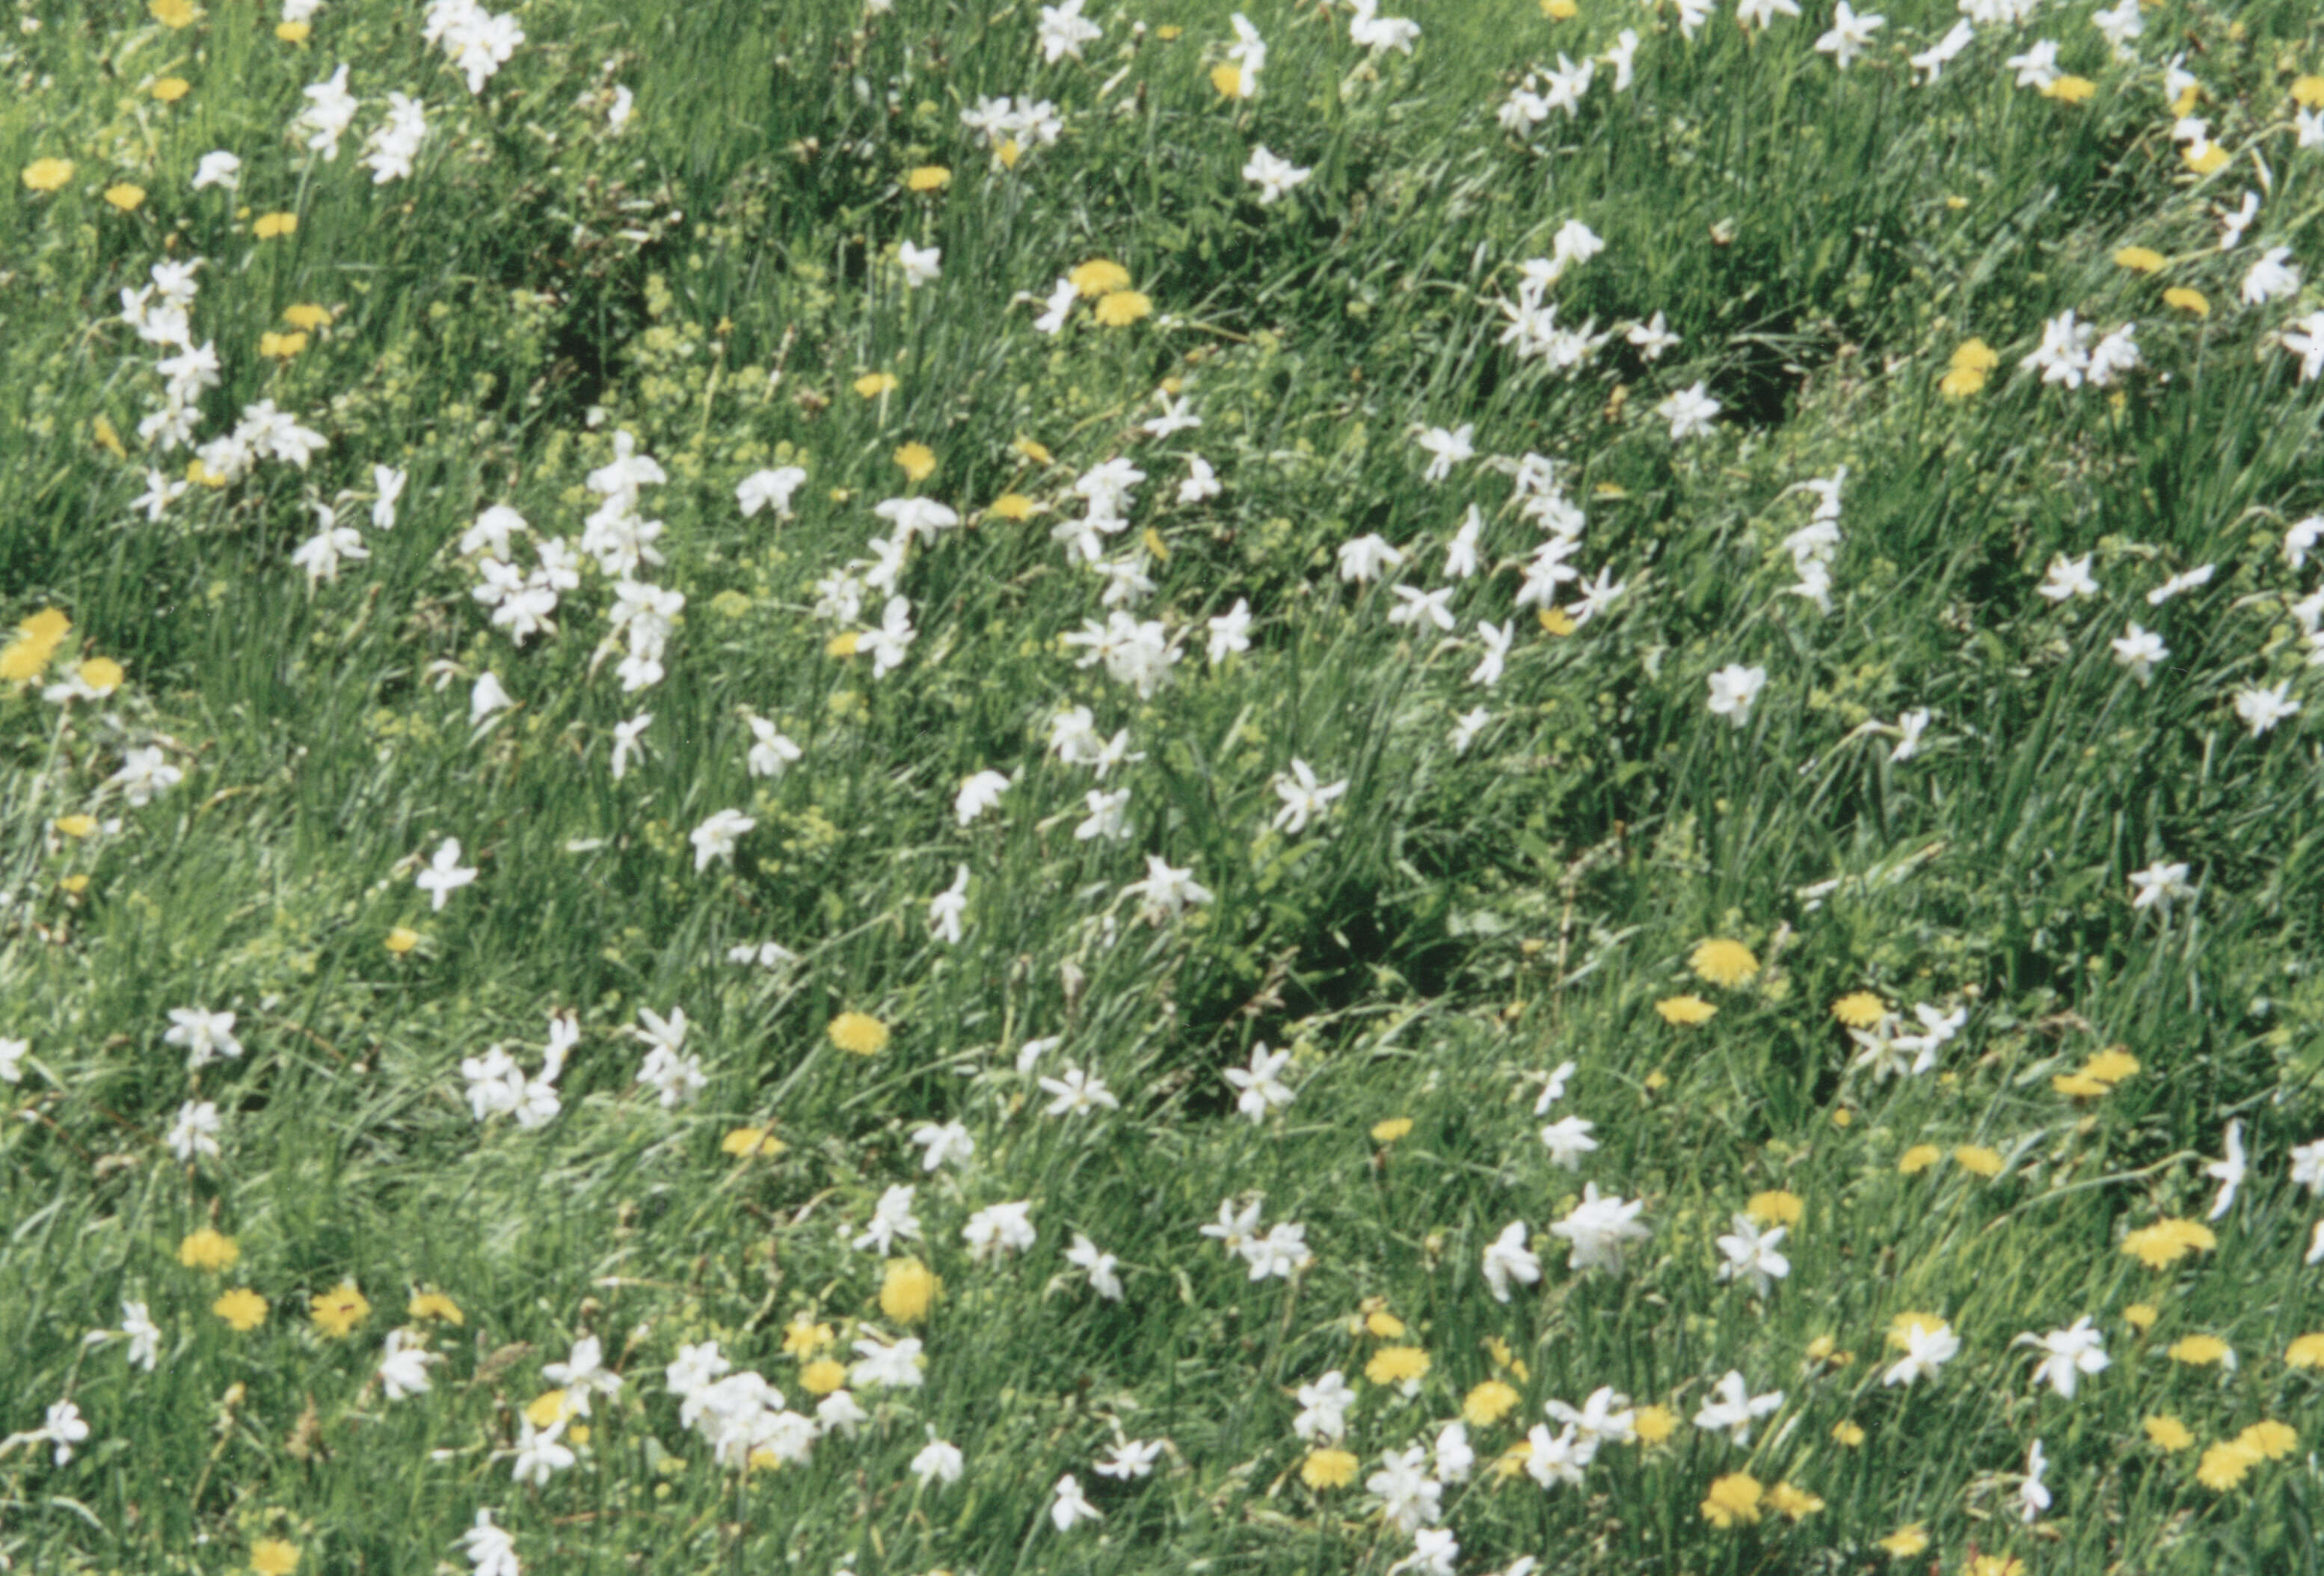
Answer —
204 1035
403 1367
1597 1228
978 793
1069 1507
1101 1268
2066 1355
1273 175
1732 1408
1303 796
938 1462
922 265
1690 413
1733 689
1507 1259
715 838
1257 1087
1927 1348
444 874
769 489
1750 1252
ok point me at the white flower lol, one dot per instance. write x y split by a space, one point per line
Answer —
1910 727
715 838
1733 1409
403 1367
978 793
395 142
1064 31
582 1375
1733 689
1466 726
1282 1251
763 489
897 1365
330 110
1060 303
676 1078
1606 1416
2262 710
1448 447
539 1455
1259 1089
1303 796
144 1335
218 169
194 1132
1234 1228
887 642
2273 278
2307 1167
1101 1266
2227 1173
947 907
892 1218
999 1228
2199 576
2068 578
1409 1495
1165 893
1507 1258
1201 482
1078 1093
2305 339
1752 1252
1105 819
1323 1409
1175 417
1363 558
491 1550
773 751
1231 631
1926 1350
937 1461
204 1034
1568 1140
2037 68
2066 1355
1069 1506
1850 35
1434 1550
2160 883
951 1142
144 775
1132 1457
1554 1459
921 264
1597 1228
64 1428
444 874
1690 411
2063 356
2139 649
1415 606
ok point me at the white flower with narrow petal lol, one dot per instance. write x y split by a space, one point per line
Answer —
769 489
2066 1355
2261 708
1100 1265
2227 1173
404 1366
1069 1508
1927 1348
999 1229
204 1035
444 874
1733 689
715 838
1690 411
1751 1253
1596 1227
2161 883
1076 1093
1303 796
1448 447
1850 35
1258 1089
1733 1409
1507 1258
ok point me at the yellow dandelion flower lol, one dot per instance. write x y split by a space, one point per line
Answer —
48 174
280 346
1397 1364
1918 1159
1654 1424
2141 1316
2080 1086
2198 1350
1121 308
169 90
2307 1352
544 1409
242 1309
1227 78
401 939
269 227
1978 1158
2072 90
2139 259
76 885
1794 1504
1724 962
107 437
1860 1009
860 1033
2168 1241
1733 1501
2168 1432
2188 300
76 825
2208 161
306 314
873 384
743 1141
1328 1468
1560 10
1906 1541
908 1290
1901 1327
1390 1130
843 644
433 1304
1555 621
1099 276
1038 453
102 674
1847 1434
1656 1081
928 178
1685 1010
1995 1565
1961 382
293 33
207 1249
268 1556
803 1336
1383 1324
1011 506
1169 32
1490 1401
1975 355
338 1310
2307 92
125 196
1776 1207
2111 1066
173 12
2270 1439
2223 1465
917 461
822 1376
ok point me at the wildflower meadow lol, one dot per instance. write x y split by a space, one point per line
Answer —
972 787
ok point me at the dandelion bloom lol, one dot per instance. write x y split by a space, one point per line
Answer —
1328 1468
928 178
2188 300
401 939
268 226
1724 962
873 384
1685 1010
1733 1501
2141 1316
907 1290
125 196
1972 363
268 1556
242 1309
2168 1241
1794 1504
2271 1439
169 90
2199 1350
1978 1158
338 1310
2168 1432
1848 1434
918 461
2307 1352
207 1249
48 174
747 1141
1488 1403
1776 1207
1906 1541
1995 1565
822 1376
173 12
2139 259
1012 506
1397 1364
434 1305
1918 1159
1121 308
1654 1424
2111 1066
859 1032
1099 276
1860 1009
2223 1465
1390 1130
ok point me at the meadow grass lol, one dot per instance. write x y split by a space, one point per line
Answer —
712 277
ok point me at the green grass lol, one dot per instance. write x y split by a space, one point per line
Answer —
1455 926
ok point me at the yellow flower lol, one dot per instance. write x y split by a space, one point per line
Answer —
1995 1565
307 315
268 226
48 174
1724 962
76 825
2168 1241
125 196
1383 1324
1796 1504
1847 1434
1654 1424
2139 259
1906 1541
1901 1327
338 1310
1038 453
2307 92
908 1290
1976 354
169 90
2223 1465
1560 10
747 1141
1656 1081
2307 1352
293 33
2187 301
434 1305
1009 152
102 674
1978 1158
2079 1085
2198 1350
2271 1439
1328 1468
1918 1159
1490 1401
174 14
1123 308
1012 506
928 178
2168 1432
1685 1010
1961 382
1397 1364
242 1309
268 1556
843 644
1169 32
1227 78
76 885
1099 277
859 1032
918 461
822 1376
2111 1066
1555 621
803 1335
36 641
2212 158
1390 1130
401 939
1734 1500
280 346
2140 1316
544 1409
2071 90
873 384
1776 1207
1860 1009
207 1249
